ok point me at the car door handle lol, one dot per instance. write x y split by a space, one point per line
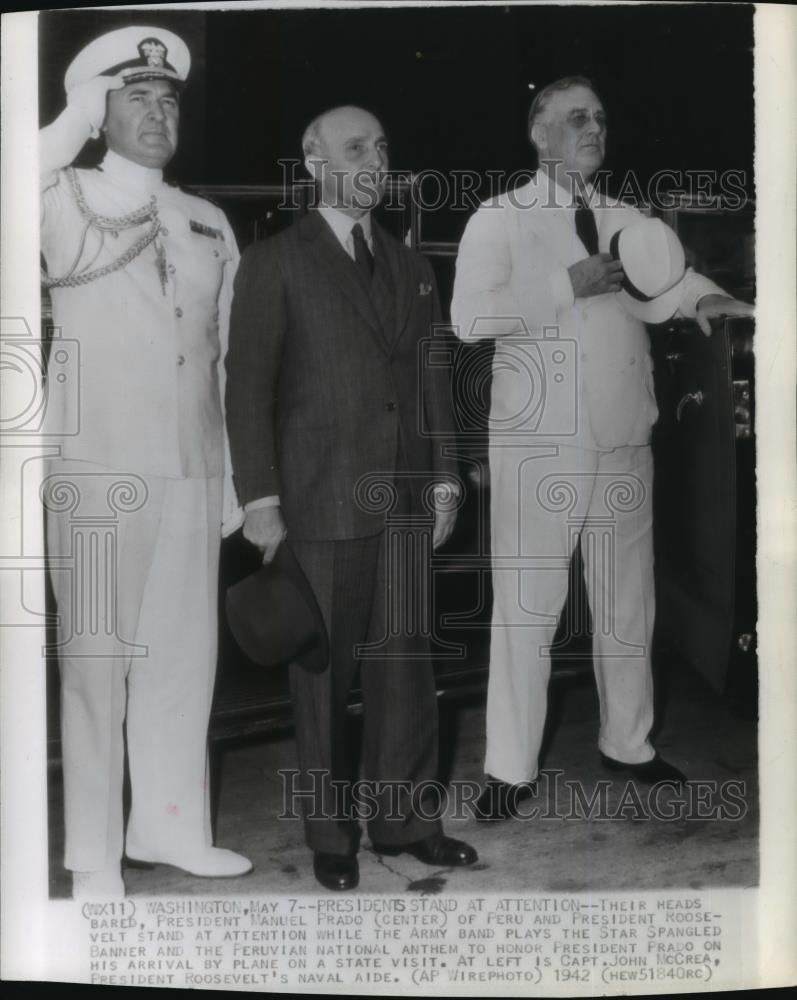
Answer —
742 409
690 397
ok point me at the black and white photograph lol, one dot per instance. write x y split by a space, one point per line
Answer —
393 396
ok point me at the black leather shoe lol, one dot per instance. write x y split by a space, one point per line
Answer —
650 773
499 800
337 872
435 850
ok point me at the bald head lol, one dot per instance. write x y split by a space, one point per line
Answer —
345 150
332 123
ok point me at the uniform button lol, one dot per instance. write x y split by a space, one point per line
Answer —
390 406
632 361
178 312
172 268
165 232
215 253
180 359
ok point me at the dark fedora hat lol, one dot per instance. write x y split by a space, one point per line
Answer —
275 617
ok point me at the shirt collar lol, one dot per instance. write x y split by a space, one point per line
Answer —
342 224
131 175
560 196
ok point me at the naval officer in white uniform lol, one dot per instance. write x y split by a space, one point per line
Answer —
140 275
570 426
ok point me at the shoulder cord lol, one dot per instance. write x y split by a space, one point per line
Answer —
105 224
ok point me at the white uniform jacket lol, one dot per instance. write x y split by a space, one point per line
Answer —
566 371
150 336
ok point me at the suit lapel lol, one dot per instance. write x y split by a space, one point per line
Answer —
332 258
553 223
395 270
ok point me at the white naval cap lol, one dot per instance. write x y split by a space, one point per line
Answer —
137 53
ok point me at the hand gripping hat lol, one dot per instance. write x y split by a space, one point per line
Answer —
137 53
274 616
653 265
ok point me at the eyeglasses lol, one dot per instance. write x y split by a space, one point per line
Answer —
580 117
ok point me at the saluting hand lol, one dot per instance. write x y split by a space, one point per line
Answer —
265 528
91 99
596 275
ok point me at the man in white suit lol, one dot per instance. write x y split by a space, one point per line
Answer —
570 426
141 278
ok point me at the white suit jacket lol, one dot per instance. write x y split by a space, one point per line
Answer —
565 371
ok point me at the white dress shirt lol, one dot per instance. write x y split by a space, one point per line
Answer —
342 225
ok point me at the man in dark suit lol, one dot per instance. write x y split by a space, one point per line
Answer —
327 409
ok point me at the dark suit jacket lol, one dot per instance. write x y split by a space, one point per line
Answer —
326 380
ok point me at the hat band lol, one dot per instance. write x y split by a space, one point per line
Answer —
628 285
143 65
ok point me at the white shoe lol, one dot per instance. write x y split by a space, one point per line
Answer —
209 862
98 884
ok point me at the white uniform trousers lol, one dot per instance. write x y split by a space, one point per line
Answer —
134 570
543 500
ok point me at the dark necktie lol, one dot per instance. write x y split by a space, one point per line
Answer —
586 227
363 257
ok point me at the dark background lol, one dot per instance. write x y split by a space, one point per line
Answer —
450 85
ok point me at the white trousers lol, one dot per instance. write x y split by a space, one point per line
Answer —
134 566
544 499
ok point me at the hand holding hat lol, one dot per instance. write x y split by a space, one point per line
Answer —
264 527
596 275
90 98
654 266
275 618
